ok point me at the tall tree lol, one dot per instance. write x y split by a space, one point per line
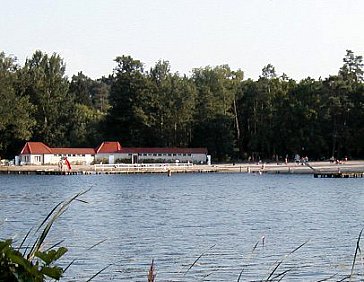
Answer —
127 118
173 98
352 70
337 108
80 89
100 95
214 118
16 122
43 80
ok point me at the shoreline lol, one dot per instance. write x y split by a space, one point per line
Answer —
272 168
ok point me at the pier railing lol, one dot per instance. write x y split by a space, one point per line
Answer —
141 167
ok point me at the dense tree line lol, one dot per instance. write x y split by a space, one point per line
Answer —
236 119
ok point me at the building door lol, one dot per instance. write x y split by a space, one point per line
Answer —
111 159
134 159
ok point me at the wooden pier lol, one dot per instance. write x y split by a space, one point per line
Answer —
338 174
318 170
42 172
93 172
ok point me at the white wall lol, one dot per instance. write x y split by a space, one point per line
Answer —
184 158
85 159
54 159
88 158
37 159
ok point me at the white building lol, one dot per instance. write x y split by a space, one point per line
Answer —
113 152
37 153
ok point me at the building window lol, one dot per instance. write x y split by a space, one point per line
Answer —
37 159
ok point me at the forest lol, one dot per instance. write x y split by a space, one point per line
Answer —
236 119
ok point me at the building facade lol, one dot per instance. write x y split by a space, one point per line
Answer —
37 153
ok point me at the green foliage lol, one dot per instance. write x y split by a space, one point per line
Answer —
84 129
126 118
80 87
34 265
352 70
217 89
173 102
42 79
15 267
91 93
271 117
16 122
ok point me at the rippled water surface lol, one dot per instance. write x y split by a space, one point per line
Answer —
175 220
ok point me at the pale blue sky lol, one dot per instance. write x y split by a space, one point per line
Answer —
299 37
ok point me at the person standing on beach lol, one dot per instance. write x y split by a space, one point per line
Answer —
60 165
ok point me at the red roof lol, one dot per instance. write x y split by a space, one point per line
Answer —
164 150
35 148
41 148
108 147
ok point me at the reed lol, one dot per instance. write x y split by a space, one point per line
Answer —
34 264
251 254
196 260
357 250
151 272
278 264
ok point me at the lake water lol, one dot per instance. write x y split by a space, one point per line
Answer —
175 220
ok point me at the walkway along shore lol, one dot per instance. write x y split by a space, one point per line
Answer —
319 169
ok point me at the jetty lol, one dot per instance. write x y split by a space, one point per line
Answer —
350 169
110 169
339 175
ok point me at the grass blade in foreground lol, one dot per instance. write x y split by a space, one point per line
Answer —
281 261
192 265
56 214
357 249
151 272
251 254
37 265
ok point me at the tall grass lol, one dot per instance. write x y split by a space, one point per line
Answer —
35 264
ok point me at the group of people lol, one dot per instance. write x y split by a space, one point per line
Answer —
300 160
337 161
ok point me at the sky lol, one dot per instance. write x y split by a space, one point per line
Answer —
300 38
